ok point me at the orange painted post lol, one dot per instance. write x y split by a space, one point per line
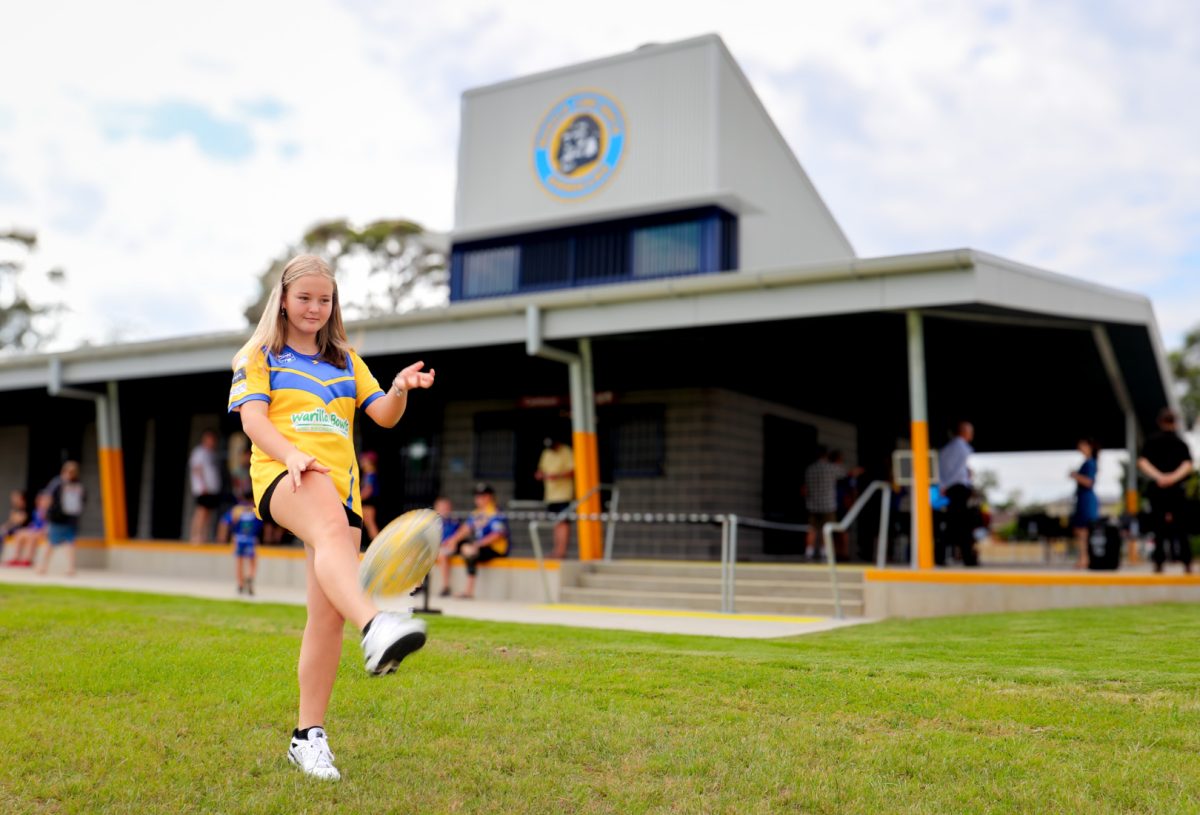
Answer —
921 504
591 545
117 480
112 494
922 508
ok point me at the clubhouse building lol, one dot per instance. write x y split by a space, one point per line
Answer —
640 265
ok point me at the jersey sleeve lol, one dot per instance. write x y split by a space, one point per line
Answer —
365 385
497 525
251 380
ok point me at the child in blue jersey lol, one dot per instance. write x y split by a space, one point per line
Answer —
483 537
243 526
445 509
298 387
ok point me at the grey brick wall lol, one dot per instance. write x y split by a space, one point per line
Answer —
714 450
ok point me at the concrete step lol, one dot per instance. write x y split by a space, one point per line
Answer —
744 571
693 601
655 583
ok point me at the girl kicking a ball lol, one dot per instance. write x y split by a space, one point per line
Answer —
297 384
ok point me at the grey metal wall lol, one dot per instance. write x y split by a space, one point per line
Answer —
783 220
666 97
696 134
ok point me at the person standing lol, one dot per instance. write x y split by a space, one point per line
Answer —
820 496
556 471
1087 506
67 498
1167 461
205 479
297 385
955 476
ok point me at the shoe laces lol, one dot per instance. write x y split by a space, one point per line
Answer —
317 754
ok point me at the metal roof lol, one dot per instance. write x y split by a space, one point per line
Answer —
964 282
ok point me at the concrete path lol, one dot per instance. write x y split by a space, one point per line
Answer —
743 626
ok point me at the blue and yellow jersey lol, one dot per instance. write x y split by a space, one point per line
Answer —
244 526
312 403
487 522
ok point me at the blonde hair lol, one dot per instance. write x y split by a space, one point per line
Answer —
271 333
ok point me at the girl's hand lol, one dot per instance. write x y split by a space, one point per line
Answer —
298 461
413 377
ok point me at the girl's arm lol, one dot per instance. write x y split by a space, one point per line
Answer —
387 410
266 438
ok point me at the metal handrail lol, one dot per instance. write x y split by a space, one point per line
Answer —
610 527
885 489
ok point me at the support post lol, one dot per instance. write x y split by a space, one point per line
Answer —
922 510
108 442
587 457
112 461
583 427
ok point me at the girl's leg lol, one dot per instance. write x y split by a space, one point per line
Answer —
315 515
321 648
45 564
239 571
369 524
70 547
1081 545
23 546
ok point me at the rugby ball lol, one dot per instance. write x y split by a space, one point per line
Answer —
402 554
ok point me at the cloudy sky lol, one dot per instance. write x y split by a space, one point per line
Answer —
165 152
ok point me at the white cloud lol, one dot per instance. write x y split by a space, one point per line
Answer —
1059 135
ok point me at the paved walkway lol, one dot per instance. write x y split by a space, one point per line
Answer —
742 626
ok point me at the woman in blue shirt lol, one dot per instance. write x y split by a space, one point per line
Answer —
1087 506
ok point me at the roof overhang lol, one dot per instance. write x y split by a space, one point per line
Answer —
962 283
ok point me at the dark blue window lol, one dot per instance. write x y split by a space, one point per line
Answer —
691 242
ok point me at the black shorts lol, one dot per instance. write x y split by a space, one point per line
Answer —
557 507
264 506
367 502
208 501
482 555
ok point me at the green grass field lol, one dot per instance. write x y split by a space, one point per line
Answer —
123 703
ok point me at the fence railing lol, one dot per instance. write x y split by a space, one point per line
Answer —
609 519
730 524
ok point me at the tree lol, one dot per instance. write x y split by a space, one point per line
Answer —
394 263
25 323
1185 367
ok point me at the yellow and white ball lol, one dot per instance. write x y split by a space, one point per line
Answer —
402 553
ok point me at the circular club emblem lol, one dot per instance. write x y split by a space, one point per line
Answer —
579 144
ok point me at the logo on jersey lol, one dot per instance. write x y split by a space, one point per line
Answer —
579 144
320 421
239 375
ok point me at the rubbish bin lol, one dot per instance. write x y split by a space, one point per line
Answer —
1104 545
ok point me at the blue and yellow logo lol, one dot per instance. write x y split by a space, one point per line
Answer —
579 144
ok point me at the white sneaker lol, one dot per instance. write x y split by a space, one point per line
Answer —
390 639
313 756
